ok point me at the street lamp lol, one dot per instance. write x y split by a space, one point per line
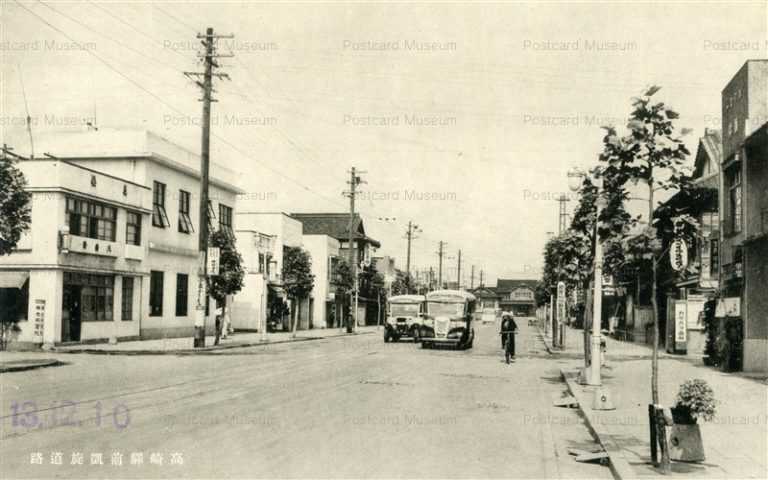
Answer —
576 178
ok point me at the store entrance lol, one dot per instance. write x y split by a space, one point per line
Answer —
71 313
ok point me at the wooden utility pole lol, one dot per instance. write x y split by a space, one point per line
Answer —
209 57
410 235
354 181
440 264
481 277
472 279
458 274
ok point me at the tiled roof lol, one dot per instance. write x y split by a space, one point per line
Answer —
507 285
334 225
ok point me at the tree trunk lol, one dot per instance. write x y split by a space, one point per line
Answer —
661 430
295 315
219 324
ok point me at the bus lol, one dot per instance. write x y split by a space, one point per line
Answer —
404 313
448 319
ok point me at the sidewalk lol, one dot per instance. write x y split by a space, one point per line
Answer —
7 364
735 442
184 345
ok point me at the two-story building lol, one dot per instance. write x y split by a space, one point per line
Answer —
687 292
337 226
77 274
160 226
517 296
744 214
284 231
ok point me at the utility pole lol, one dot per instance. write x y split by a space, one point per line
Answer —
440 264
563 214
410 235
481 277
203 283
472 279
431 278
354 181
458 274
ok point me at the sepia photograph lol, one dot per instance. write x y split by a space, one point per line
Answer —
329 239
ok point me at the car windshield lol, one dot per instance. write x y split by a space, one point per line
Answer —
440 309
404 309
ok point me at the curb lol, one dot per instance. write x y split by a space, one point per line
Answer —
201 351
31 366
620 467
544 340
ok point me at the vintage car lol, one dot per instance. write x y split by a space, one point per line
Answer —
448 319
404 314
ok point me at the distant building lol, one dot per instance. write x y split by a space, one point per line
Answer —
337 227
517 296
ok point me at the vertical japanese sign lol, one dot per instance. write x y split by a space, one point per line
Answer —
561 301
681 321
212 268
39 319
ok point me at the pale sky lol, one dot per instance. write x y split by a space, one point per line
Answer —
515 92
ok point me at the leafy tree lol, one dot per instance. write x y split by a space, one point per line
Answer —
15 210
653 153
15 217
297 276
401 283
231 274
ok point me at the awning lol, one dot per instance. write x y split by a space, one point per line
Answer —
13 279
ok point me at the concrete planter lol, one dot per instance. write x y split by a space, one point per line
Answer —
685 443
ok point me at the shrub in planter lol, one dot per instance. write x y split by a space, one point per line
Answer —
694 400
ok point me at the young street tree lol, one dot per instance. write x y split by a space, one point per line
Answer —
298 278
231 275
651 152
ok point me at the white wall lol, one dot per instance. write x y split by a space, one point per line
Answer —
320 247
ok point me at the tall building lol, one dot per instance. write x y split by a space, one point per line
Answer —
744 215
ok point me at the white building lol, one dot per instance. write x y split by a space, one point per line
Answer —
324 251
284 231
118 204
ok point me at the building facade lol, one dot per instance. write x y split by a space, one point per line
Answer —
517 296
284 231
130 233
743 216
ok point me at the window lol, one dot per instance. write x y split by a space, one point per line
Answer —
91 219
133 228
159 216
735 197
182 287
225 219
97 295
126 310
185 222
156 294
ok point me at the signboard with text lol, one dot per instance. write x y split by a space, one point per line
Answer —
212 267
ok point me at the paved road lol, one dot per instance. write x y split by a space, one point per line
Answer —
341 407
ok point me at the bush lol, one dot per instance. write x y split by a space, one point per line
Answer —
698 398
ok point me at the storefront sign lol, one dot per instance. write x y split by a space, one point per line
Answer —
681 321
39 319
212 268
561 301
76 244
678 255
